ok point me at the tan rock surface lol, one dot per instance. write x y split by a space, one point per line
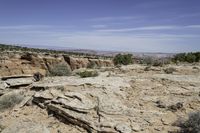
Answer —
128 100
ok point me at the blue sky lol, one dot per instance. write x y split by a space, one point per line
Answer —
122 25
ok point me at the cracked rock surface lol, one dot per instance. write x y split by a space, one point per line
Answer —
124 100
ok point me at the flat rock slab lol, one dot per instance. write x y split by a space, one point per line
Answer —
16 76
19 82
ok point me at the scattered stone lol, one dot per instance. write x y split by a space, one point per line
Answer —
176 107
123 128
136 127
3 85
160 104
38 76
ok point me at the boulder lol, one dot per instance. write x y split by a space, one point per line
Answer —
3 85
123 128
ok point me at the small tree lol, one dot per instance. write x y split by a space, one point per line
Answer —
125 59
190 58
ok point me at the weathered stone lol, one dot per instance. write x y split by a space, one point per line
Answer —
176 107
123 128
168 119
136 127
161 104
44 95
77 118
16 76
17 82
3 85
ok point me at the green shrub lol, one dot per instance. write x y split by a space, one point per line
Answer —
2 128
150 61
124 59
147 60
192 125
179 57
86 74
197 54
10 100
157 63
170 70
59 70
190 58
187 57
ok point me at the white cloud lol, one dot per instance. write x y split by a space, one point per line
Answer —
118 18
106 40
151 28
193 26
140 42
99 26
140 29
23 27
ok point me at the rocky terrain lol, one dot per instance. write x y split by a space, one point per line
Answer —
127 99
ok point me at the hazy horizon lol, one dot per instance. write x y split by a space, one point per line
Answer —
124 25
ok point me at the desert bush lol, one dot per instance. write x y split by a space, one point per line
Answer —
148 68
170 70
157 63
10 100
197 54
86 74
179 57
59 70
124 59
2 128
187 57
190 58
91 65
150 61
192 125
147 60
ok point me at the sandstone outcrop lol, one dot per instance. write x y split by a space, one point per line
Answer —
30 63
76 63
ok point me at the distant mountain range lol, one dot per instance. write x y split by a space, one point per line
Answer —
101 52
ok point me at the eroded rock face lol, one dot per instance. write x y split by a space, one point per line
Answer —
30 63
76 63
